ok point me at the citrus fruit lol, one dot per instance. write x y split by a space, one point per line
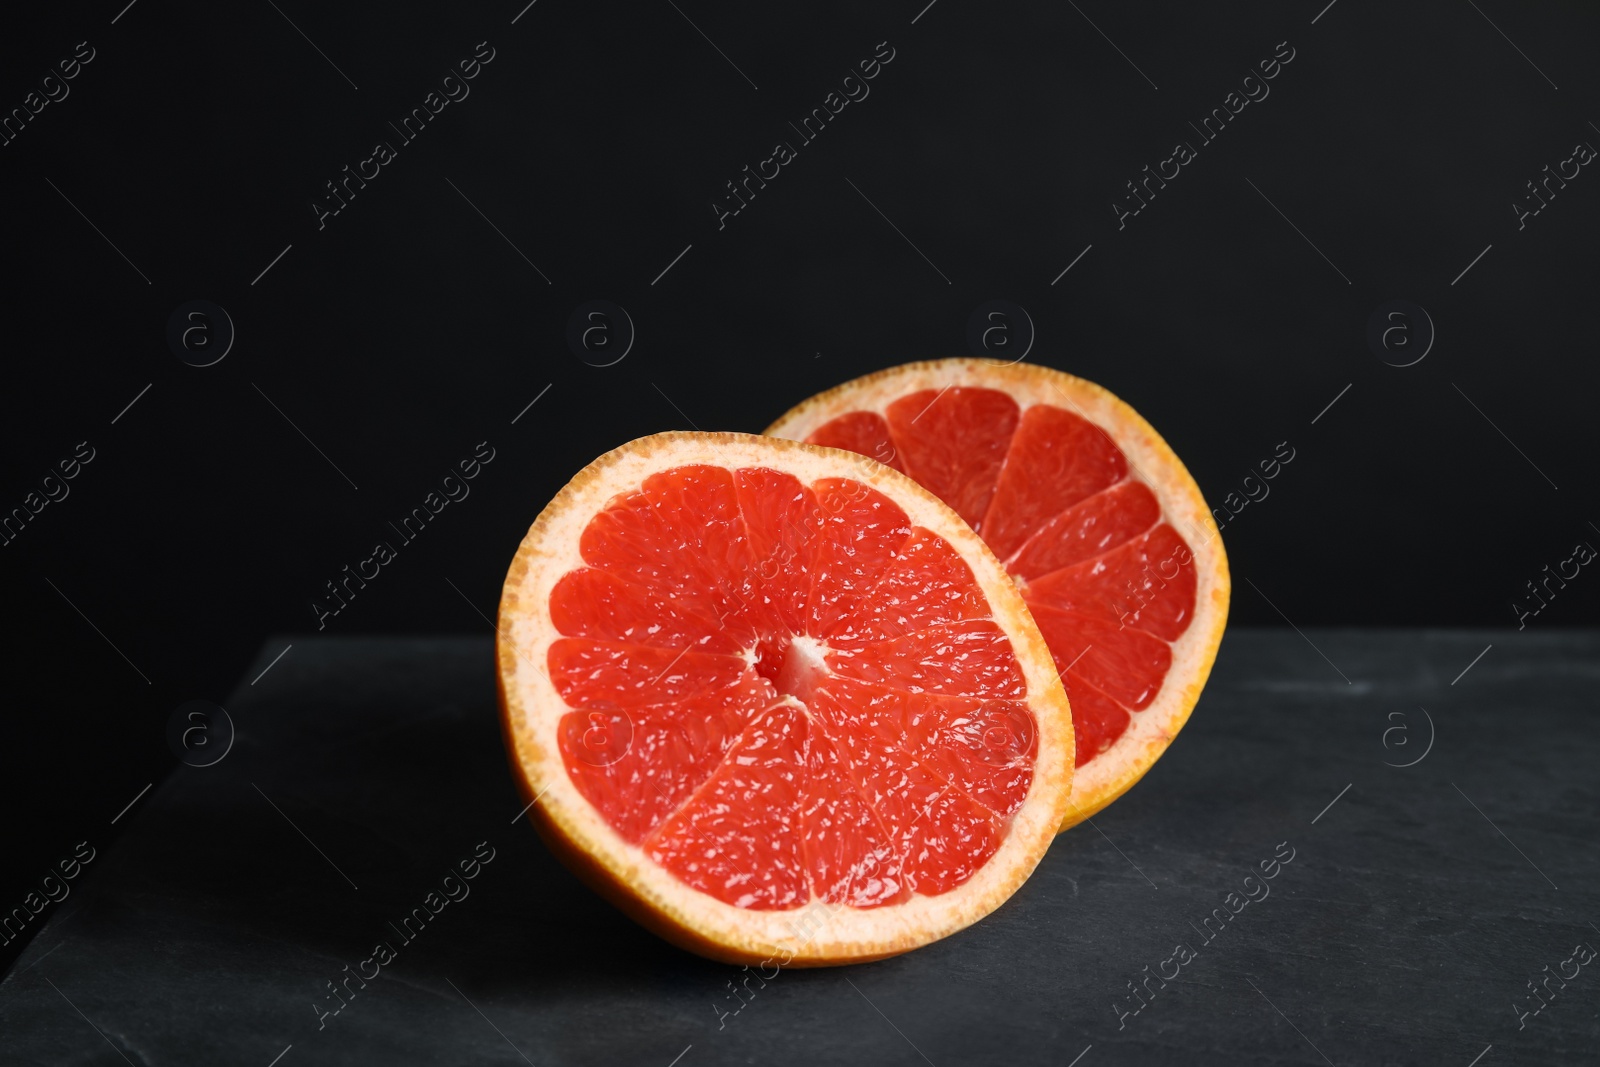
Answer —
1102 528
778 702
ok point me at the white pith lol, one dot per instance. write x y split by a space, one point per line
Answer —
803 661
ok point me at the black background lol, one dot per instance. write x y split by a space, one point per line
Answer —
411 327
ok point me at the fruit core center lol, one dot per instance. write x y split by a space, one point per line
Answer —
796 668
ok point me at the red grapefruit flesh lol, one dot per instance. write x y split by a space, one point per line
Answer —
778 702
1097 521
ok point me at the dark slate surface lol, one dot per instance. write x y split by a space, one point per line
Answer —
1402 932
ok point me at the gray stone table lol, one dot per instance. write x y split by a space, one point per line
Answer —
1417 906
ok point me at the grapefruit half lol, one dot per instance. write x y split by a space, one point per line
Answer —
778 702
1098 522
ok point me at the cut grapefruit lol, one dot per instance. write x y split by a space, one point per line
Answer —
1104 531
778 702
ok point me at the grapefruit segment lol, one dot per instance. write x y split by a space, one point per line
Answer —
676 536
1097 720
1055 460
638 765
860 533
1086 530
927 584
940 833
781 519
593 603
850 856
1108 537
744 678
1127 665
738 838
1146 584
985 749
956 659
864 432
954 442
609 673
943 835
